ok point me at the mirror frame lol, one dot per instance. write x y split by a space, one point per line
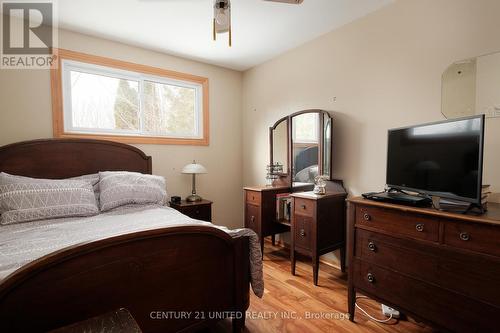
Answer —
289 121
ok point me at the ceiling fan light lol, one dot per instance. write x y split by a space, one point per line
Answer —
221 17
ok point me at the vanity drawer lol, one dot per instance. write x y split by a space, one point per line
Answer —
252 216
303 232
394 223
253 197
473 237
303 207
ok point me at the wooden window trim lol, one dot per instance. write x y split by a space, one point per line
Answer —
57 99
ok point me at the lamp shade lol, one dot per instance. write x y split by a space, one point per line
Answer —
194 168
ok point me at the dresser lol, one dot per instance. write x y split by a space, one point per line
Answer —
441 268
318 227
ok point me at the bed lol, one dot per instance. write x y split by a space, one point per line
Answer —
179 278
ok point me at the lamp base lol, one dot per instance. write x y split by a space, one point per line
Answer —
193 198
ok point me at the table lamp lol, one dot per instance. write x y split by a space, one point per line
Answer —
194 169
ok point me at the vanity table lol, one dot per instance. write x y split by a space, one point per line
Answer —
302 144
260 211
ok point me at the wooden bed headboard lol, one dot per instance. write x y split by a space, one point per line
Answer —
65 158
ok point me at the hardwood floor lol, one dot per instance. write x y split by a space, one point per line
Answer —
288 299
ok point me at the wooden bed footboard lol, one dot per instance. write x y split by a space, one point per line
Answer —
172 279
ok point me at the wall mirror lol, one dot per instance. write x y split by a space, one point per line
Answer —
472 86
303 141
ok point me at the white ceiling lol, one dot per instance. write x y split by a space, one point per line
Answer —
261 30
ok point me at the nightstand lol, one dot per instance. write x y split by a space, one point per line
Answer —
200 210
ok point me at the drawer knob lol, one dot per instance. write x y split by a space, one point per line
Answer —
302 232
252 219
464 236
367 217
419 227
370 278
303 206
372 247
197 212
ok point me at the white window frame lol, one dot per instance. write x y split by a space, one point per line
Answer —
67 66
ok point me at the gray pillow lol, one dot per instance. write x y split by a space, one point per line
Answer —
94 180
24 199
120 188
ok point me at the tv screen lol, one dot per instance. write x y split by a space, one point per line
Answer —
444 159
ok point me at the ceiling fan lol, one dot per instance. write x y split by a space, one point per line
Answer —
222 16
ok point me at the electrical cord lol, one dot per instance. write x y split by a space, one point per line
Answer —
383 321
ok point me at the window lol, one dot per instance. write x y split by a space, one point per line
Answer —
125 102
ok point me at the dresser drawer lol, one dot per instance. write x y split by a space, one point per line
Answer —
253 197
467 274
437 305
303 207
473 237
387 252
252 218
397 223
303 232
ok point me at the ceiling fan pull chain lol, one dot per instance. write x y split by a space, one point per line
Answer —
215 33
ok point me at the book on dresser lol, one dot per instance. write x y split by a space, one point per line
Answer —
439 267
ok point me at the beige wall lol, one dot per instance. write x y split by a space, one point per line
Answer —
384 70
25 113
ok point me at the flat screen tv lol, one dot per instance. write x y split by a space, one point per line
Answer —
443 159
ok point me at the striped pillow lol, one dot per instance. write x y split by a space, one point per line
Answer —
24 199
120 188
94 180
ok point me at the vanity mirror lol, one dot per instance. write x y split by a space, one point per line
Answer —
302 142
279 139
300 153
305 147
472 86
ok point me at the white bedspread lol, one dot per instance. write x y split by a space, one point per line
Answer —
26 242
